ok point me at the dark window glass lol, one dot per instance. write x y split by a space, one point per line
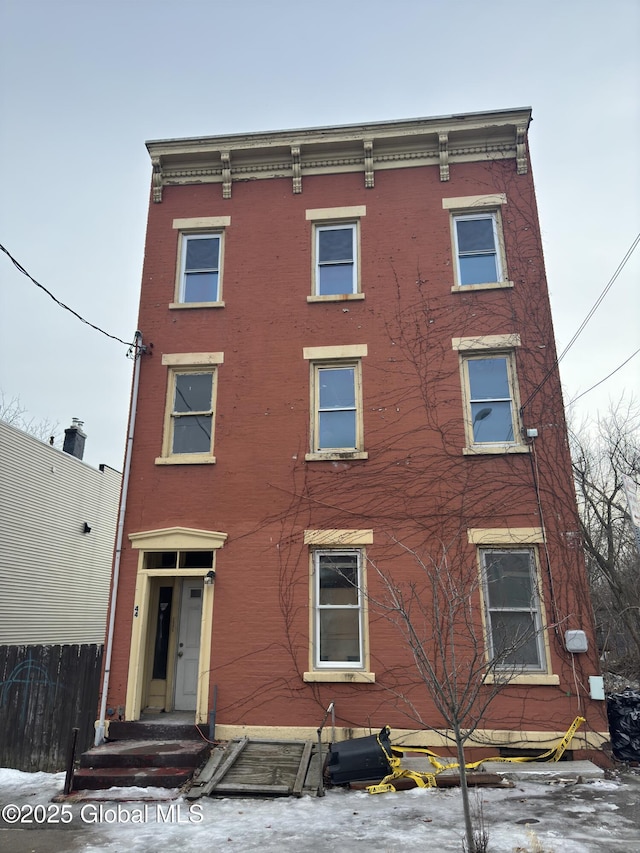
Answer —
196 559
202 254
160 559
193 392
161 645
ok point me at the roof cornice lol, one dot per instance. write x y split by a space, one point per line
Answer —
365 148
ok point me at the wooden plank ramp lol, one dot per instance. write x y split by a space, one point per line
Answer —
246 767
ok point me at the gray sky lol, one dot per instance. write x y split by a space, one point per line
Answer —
83 84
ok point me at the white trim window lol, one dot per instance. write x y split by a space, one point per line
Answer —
513 613
337 407
338 629
477 246
336 270
191 414
200 268
489 385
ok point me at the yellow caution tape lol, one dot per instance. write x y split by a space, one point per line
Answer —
428 780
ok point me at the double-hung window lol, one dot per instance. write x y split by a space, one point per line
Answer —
490 399
513 611
200 268
490 393
476 240
192 413
478 244
200 249
336 270
190 408
338 640
336 403
337 423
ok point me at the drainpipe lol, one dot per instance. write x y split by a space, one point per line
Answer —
138 351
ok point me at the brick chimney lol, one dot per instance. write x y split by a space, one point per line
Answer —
74 439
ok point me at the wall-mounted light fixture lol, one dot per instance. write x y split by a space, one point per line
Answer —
86 528
210 577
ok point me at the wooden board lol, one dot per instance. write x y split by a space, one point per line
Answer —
272 768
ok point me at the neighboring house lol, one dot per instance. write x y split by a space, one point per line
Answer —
57 531
349 367
56 549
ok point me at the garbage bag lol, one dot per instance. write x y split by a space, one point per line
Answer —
623 711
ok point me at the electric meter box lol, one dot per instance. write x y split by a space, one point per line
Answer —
576 641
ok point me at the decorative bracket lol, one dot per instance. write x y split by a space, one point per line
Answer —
296 168
521 150
156 180
225 156
368 164
443 142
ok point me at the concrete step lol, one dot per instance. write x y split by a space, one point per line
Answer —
146 753
100 778
157 730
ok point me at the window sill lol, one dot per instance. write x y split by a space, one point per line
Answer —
337 456
480 450
491 285
343 677
174 305
336 297
186 459
531 678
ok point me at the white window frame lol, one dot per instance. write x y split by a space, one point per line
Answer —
353 262
335 218
180 365
535 610
317 556
479 207
466 217
507 357
488 347
184 272
352 452
198 228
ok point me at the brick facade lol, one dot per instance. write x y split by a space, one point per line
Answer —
417 491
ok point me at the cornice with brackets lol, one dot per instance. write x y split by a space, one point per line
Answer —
294 154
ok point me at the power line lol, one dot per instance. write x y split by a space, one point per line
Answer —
595 307
619 367
19 267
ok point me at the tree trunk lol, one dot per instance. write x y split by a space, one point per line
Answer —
464 791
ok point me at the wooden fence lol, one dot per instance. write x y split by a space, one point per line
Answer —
44 692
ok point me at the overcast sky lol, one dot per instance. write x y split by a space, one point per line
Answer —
84 83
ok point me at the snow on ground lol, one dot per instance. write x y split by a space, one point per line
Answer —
598 816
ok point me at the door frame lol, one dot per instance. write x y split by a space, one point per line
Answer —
169 539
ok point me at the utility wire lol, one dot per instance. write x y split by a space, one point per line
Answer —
19 267
619 367
596 305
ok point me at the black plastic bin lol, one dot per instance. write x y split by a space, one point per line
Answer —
623 711
359 760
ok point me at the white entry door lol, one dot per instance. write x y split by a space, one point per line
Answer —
188 646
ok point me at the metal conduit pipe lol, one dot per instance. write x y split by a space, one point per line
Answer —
101 725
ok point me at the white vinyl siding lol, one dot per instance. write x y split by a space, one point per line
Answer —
54 578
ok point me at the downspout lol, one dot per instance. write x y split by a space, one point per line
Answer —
100 725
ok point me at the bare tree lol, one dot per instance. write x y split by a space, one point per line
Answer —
14 413
462 667
602 454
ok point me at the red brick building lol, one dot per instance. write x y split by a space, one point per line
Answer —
350 478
